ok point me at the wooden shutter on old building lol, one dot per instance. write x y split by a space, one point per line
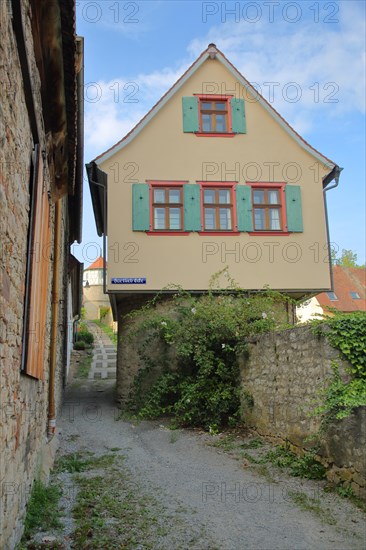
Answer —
38 264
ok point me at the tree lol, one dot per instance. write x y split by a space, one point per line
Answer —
348 258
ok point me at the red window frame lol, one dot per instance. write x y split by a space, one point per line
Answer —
219 98
217 185
280 186
165 184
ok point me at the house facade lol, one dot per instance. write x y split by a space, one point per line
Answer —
41 163
212 178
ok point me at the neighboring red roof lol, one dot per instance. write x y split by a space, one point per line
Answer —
346 280
98 264
175 85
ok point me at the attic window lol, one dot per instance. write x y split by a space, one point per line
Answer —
332 296
355 296
213 115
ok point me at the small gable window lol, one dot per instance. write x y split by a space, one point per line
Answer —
355 296
332 296
213 115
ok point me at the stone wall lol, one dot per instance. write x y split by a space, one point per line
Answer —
26 452
129 362
281 378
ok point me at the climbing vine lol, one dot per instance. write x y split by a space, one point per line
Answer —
347 333
206 333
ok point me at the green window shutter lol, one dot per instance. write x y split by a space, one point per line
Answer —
190 114
244 209
294 208
140 207
238 121
192 207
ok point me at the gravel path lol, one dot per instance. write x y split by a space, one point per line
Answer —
205 498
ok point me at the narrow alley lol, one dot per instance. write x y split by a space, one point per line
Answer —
137 485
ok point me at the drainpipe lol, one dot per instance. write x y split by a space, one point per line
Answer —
334 175
54 320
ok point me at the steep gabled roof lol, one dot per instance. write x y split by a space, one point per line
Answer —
346 280
213 52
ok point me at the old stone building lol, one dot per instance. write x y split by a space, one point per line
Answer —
41 150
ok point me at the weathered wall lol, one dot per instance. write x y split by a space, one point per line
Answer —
93 299
282 375
129 361
25 452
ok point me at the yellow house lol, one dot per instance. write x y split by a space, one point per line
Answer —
211 177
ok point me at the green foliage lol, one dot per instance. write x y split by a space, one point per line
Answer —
206 334
346 332
108 330
84 334
42 509
103 312
348 258
305 466
79 345
340 399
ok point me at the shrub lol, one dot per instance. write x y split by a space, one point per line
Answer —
86 337
79 345
207 333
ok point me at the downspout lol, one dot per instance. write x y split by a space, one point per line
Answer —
54 320
337 171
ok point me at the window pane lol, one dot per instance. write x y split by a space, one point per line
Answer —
159 195
274 218
220 123
259 218
258 197
174 196
273 197
209 196
159 218
206 106
206 123
174 218
224 196
220 106
210 218
225 218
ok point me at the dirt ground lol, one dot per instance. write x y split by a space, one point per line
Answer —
140 485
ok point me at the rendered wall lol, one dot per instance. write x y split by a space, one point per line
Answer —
162 151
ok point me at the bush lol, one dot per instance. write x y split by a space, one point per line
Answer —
207 333
86 337
79 345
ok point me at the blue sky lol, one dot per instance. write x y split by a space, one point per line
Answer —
134 51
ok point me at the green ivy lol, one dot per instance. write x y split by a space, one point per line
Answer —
347 333
206 333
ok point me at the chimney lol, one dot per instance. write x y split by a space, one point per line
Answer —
212 50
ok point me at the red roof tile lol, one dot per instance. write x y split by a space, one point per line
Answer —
98 264
346 280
